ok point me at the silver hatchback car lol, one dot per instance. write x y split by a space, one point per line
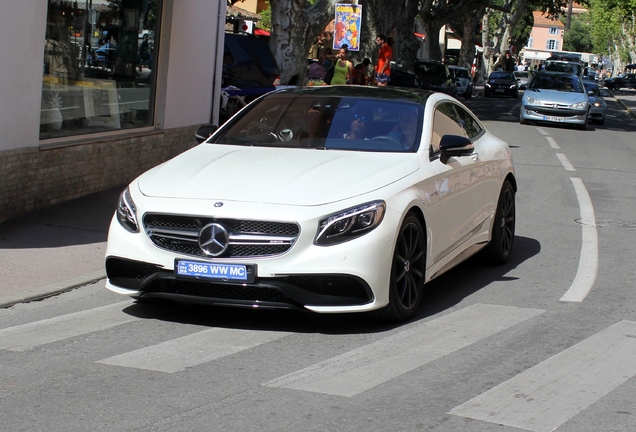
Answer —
597 103
555 97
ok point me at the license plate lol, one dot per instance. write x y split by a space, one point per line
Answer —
554 119
215 271
499 90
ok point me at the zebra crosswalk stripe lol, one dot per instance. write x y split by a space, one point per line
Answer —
359 370
188 351
550 393
26 336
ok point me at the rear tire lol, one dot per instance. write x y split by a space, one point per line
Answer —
406 286
503 227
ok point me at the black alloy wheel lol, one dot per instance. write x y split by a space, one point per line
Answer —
503 227
407 272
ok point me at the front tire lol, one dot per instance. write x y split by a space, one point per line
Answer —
584 125
503 227
406 286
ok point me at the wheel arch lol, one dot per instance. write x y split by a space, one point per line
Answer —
511 178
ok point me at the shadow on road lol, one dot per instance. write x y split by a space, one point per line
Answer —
440 295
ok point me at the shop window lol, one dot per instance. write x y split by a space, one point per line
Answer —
99 59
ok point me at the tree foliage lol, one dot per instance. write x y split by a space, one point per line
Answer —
613 29
579 38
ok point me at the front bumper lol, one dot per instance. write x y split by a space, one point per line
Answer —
141 279
554 115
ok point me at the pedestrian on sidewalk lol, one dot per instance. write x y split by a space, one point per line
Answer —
343 69
383 66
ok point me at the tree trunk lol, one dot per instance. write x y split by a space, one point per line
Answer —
432 28
295 24
405 50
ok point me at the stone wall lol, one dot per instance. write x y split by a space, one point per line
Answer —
33 178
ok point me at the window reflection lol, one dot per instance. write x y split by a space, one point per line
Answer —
98 66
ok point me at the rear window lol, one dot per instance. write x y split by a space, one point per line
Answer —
460 73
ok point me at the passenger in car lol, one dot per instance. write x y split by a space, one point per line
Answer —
316 126
405 130
359 125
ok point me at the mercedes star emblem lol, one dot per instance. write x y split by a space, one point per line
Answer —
213 239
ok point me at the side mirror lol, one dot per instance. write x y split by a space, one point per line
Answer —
204 132
455 146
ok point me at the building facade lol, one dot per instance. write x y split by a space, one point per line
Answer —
546 37
96 92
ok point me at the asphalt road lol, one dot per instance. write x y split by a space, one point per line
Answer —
493 348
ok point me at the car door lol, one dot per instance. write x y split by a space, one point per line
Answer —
460 183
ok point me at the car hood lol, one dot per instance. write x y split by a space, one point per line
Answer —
274 175
555 96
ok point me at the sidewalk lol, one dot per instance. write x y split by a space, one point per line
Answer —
56 249
62 247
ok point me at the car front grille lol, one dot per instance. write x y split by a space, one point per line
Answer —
247 238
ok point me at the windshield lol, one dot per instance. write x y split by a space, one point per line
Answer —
593 89
501 75
567 83
327 123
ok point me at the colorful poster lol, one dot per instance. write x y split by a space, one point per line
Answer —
347 26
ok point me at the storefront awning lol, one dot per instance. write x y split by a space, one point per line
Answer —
261 32
536 55
452 43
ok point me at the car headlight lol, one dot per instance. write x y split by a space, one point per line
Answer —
579 105
532 101
513 86
598 104
487 84
350 223
127 212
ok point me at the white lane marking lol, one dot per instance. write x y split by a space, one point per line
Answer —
547 395
553 143
588 261
353 372
541 131
565 162
192 350
27 336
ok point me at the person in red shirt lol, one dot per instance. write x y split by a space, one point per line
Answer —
383 67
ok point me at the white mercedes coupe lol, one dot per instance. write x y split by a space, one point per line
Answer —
327 199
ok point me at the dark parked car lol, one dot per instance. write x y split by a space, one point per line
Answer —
501 83
433 75
249 65
624 80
